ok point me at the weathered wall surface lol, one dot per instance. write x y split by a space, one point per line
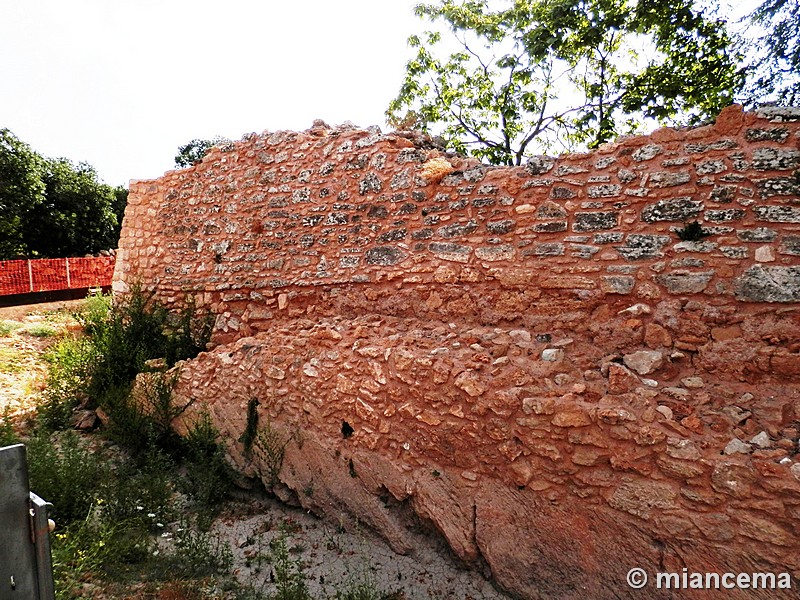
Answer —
529 359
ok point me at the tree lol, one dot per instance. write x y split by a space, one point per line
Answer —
21 191
772 43
77 215
194 151
539 73
51 207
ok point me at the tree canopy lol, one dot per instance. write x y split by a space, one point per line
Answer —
194 151
52 207
772 44
541 73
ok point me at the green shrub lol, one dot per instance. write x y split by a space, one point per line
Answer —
8 436
210 480
66 473
70 362
6 327
40 330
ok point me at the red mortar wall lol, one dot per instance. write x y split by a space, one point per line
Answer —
50 274
529 358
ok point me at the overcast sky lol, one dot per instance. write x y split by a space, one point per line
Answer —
121 84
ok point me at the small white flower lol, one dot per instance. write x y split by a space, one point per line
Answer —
151 515
140 508
159 525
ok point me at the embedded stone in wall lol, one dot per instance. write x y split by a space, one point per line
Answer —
685 282
674 209
617 284
384 255
775 159
769 284
594 221
777 214
640 246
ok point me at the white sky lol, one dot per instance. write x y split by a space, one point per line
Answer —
121 84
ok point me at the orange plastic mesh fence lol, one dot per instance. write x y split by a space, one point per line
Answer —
49 274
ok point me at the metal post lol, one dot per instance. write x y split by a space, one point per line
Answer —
69 286
30 274
25 564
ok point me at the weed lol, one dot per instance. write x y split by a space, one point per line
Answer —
69 366
270 448
290 578
211 476
40 330
692 232
63 471
251 429
198 554
7 327
8 436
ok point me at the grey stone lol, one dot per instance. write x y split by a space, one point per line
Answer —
494 253
664 179
422 234
384 255
450 251
551 227
737 446
604 191
673 209
760 283
779 114
608 238
720 216
775 159
759 234
483 202
377 212
644 362
562 193
408 155
617 284
646 152
392 236
640 245
723 194
593 221
762 440
539 164
552 354
695 246
500 227
583 250
549 249
772 134
790 245
550 210
458 229
733 251
710 167
370 183
626 175
685 282
777 214
779 186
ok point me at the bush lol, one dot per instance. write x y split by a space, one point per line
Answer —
63 471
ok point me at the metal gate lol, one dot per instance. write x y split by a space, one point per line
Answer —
26 571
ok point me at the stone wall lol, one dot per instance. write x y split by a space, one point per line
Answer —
530 360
